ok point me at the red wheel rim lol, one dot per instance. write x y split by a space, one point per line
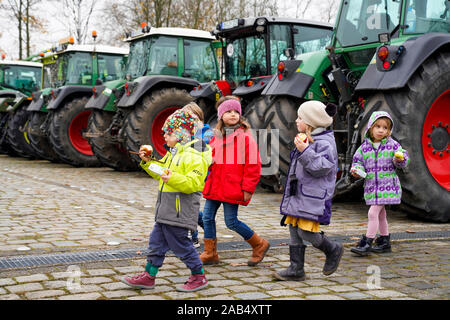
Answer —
76 128
157 133
435 140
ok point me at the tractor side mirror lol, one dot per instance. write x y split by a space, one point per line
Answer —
289 53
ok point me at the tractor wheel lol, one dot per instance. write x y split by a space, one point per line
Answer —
421 117
38 140
110 154
5 148
17 134
144 124
276 113
66 134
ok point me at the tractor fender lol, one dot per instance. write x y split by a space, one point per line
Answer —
66 92
204 91
417 50
106 95
37 102
294 84
144 84
258 84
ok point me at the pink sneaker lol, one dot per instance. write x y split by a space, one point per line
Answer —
194 283
140 281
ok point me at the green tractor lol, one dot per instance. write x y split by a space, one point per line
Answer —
163 66
385 55
252 48
58 116
18 79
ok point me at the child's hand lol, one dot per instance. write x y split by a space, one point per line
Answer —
166 175
247 196
142 154
300 145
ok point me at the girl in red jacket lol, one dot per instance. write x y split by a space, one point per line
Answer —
232 180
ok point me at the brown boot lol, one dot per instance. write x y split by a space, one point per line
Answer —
260 247
209 255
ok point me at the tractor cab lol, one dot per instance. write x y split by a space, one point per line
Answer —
22 76
252 48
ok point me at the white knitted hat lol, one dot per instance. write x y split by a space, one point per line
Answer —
316 114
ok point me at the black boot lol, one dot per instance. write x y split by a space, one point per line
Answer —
333 251
364 246
382 244
295 271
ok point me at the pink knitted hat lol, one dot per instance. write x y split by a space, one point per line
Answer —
229 105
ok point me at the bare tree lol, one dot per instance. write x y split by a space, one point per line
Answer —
76 16
20 11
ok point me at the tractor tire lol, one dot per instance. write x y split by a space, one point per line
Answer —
66 134
17 136
274 113
421 116
38 141
5 148
110 154
144 124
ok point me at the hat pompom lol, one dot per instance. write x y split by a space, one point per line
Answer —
331 109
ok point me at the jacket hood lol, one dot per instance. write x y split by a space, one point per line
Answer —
374 117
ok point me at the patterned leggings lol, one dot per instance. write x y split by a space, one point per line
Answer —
377 219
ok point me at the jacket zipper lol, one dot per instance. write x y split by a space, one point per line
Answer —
376 176
178 205
162 188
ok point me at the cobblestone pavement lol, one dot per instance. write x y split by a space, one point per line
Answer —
47 208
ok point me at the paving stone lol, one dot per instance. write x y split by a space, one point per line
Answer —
44 294
114 286
311 290
95 280
101 272
323 297
10 297
355 295
146 297
32 278
25 287
422 285
386 293
7 281
282 293
57 284
251 296
119 293
212 291
85 296
340 288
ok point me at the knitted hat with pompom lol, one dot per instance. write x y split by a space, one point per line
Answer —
182 124
316 114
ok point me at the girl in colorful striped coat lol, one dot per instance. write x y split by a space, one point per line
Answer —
376 161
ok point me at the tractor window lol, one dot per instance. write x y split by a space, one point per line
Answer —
361 21
242 55
280 39
50 75
199 62
22 77
137 59
109 67
163 56
309 39
426 16
76 68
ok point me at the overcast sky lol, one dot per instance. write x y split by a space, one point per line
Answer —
56 29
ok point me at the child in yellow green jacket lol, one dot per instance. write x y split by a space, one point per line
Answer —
181 174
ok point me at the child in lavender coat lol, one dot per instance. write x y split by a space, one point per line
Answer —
310 184
376 160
